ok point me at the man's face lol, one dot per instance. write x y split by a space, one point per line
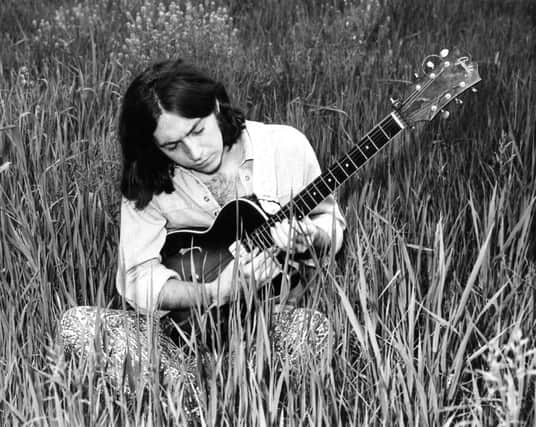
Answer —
191 143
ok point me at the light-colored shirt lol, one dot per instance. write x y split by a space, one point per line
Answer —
278 162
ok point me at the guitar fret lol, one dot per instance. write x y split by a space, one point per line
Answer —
392 128
339 172
316 192
383 131
334 178
380 137
328 182
321 186
301 197
357 155
357 147
372 142
349 157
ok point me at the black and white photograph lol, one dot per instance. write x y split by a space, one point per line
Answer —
268 213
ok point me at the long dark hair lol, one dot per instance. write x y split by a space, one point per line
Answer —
177 87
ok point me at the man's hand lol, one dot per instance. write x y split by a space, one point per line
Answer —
298 236
253 267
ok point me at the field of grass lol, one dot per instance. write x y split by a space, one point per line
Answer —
432 297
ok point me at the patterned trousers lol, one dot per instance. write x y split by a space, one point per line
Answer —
128 341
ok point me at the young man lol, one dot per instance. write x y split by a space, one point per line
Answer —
186 153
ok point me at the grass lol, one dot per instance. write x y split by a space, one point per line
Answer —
436 277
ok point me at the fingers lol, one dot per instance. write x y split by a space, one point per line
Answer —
259 265
295 236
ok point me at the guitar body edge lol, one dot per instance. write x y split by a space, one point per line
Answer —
201 255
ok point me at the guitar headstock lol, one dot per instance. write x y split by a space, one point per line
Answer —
447 75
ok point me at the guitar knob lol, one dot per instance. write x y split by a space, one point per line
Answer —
444 53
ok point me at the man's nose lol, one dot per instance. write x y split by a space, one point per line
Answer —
195 152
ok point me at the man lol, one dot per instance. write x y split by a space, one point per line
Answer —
186 153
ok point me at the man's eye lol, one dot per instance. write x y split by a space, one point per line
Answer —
198 131
172 146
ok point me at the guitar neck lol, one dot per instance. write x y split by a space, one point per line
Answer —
346 166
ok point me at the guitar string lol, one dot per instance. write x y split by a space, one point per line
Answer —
411 98
374 133
261 236
337 171
416 92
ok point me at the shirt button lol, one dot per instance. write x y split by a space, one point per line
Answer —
206 199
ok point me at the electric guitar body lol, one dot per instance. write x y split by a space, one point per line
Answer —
200 255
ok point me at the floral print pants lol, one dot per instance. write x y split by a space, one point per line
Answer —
295 334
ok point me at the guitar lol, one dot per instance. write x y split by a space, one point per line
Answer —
200 255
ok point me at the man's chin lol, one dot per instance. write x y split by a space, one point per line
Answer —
210 168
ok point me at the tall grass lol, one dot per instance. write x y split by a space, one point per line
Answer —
431 298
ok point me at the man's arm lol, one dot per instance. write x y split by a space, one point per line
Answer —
255 267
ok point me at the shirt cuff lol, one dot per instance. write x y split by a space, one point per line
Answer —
144 284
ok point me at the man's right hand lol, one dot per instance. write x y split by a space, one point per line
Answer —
255 267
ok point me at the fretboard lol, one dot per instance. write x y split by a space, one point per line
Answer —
314 193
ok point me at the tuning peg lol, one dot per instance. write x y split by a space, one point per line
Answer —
395 103
416 75
444 53
445 114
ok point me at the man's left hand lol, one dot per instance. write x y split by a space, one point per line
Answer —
298 236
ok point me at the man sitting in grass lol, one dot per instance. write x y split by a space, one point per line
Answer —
187 153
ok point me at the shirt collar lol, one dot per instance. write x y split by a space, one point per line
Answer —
248 146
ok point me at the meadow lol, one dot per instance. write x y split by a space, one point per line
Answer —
432 296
